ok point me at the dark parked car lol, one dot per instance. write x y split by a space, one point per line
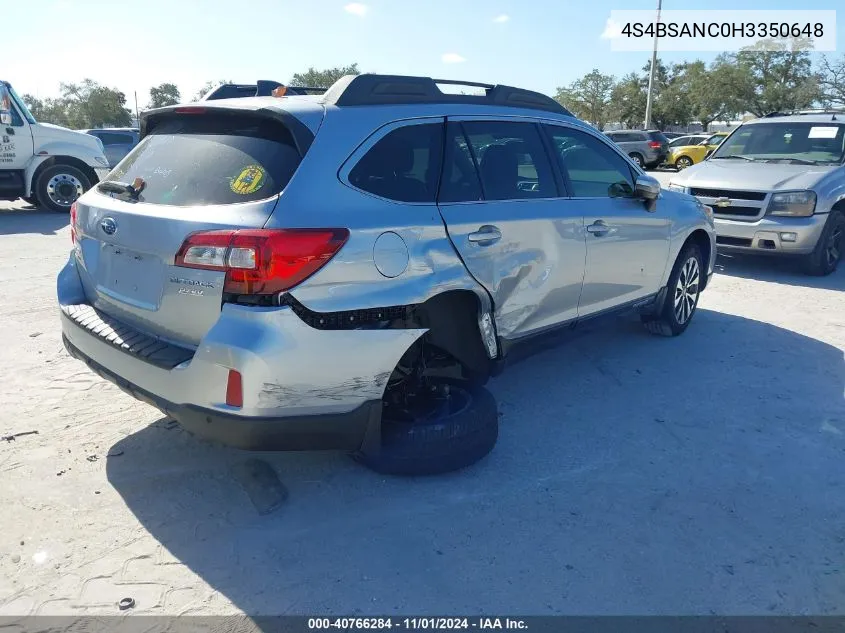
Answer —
647 148
117 141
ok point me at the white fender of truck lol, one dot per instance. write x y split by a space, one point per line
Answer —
95 159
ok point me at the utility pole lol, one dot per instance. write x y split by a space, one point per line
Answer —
647 123
137 117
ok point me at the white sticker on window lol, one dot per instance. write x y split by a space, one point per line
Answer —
823 132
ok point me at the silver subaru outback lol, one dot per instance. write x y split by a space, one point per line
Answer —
347 270
777 186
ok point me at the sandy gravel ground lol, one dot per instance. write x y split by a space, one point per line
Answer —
633 475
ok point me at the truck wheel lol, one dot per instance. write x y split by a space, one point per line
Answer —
828 252
682 294
33 202
451 429
59 186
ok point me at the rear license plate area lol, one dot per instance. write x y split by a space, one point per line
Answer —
130 277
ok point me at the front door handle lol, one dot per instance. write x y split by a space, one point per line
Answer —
598 228
485 235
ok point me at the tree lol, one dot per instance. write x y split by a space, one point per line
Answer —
712 93
589 97
90 105
209 86
627 101
776 76
832 82
47 110
164 95
323 78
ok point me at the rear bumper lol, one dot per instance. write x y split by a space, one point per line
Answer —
303 388
768 235
339 431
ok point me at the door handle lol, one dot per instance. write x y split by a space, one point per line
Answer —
598 228
485 235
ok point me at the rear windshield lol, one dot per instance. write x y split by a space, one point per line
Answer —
211 159
660 137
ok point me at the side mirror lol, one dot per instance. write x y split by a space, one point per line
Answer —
648 189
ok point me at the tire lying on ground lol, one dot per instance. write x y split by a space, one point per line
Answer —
439 443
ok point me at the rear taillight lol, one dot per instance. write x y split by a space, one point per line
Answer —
234 389
261 261
654 144
74 209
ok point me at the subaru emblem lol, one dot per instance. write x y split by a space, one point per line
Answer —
108 225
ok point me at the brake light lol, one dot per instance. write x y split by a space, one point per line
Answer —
190 110
74 209
654 144
261 261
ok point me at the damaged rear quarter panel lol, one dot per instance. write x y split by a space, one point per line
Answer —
289 368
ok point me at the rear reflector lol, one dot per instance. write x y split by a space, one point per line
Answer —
261 261
234 389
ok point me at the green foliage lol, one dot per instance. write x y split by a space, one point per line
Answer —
164 95
322 78
82 105
589 98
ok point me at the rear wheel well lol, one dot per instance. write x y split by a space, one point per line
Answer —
452 322
700 238
64 160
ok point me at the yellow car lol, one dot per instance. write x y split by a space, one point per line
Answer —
696 148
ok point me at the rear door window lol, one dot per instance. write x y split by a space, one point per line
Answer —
404 165
460 181
209 159
512 160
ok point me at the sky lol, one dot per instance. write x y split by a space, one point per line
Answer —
131 46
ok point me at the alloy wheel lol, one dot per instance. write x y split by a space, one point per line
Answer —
686 290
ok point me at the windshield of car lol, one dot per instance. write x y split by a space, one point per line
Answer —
798 142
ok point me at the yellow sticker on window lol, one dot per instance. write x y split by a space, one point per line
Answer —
249 180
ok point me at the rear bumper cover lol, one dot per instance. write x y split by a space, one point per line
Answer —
303 388
339 431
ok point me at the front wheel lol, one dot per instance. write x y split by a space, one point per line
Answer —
451 427
682 294
828 252
58 187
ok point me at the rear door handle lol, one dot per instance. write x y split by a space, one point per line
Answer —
598 228
485 235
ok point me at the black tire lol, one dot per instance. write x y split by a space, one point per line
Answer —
668 322
828 251
59 186
440 444
637 158
683 162
33 202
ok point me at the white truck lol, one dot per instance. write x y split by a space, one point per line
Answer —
46 165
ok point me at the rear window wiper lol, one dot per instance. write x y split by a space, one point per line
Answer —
121 188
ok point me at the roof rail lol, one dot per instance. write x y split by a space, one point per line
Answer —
809 112
372 89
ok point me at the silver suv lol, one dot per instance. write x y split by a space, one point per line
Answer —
777 186
346 271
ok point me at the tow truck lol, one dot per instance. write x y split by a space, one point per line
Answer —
46 165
